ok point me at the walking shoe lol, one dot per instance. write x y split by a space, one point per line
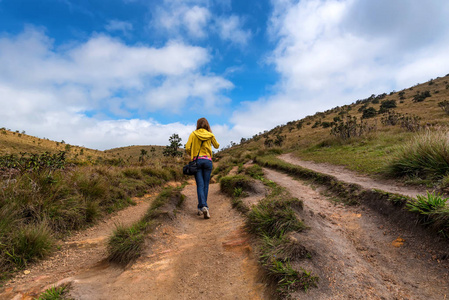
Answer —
200 212
206 212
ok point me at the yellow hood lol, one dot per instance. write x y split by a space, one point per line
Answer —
203 135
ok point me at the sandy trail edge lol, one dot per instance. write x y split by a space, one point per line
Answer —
358 254
348 176
188 258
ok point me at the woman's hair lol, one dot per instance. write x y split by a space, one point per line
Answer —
202 123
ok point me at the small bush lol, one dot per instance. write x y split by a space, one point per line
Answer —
369 112
444 105
386 105
419 97
350 128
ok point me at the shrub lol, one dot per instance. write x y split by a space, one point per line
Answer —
390 118
279 140
444 105
386 105
350 128
326 124
410 123
369 112
419 97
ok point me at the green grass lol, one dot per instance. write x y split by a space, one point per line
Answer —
425 156
274 217
433 210
254 171
229 184
55 293
272 220
368 154
126 243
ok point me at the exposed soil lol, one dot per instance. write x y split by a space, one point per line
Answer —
348 176
187 258
190 258
358 254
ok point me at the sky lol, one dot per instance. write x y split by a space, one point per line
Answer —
112 73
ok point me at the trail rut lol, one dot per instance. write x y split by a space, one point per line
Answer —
360 255
343 174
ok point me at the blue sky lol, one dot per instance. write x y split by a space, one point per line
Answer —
106 74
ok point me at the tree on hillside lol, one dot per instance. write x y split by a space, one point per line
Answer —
143 155
152 150
172 149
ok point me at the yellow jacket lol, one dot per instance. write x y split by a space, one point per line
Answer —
194 143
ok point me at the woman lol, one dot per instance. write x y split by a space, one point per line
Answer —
201 140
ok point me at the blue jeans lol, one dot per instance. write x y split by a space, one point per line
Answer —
202 178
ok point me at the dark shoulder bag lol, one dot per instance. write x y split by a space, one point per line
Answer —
191 168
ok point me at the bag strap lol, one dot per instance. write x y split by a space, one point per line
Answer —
199 150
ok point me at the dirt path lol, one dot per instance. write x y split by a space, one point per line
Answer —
188 258
348 176
359 255
191 258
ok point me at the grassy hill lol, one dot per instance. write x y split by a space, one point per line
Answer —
16 142
364 136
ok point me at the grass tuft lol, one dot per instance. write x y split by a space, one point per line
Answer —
126 243
55 293
273 217
230 184
425 156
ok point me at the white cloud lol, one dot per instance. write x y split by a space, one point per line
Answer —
334 52
230 29
182 17
47 91
116 25
194 19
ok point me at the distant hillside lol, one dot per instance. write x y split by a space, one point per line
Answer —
134 152
379 124
16 142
